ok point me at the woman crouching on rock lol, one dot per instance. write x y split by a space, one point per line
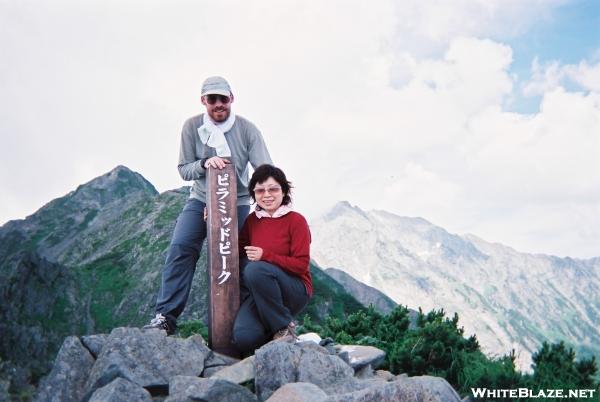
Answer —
275 277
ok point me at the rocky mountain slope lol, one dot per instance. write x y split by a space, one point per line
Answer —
91 261
365 294
511 300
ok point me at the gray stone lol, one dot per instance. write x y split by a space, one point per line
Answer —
385 375
215 359
359 356
94 343
216 362
210 371
121 390
280 363
188 389
147 358
298 392
238 373
411 389
364 373
66 382
313 346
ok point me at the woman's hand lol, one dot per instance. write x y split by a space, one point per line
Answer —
254 253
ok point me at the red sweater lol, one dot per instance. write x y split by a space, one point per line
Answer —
285 242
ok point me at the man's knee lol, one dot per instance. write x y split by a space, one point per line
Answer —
182 251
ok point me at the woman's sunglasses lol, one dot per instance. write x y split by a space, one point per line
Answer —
212 99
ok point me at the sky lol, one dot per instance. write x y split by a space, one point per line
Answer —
481 116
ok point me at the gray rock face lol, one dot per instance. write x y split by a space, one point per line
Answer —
188 389
410 389
298 392
121 390
237 373
147 358
94 343
66 381
279 363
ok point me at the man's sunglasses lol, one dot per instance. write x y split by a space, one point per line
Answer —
212 99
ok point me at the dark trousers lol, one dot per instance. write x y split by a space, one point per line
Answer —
182 256
270 298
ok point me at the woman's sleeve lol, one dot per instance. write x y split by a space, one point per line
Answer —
297 262
244 238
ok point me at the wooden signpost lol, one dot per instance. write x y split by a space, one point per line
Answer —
223 262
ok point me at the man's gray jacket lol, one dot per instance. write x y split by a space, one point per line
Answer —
245 142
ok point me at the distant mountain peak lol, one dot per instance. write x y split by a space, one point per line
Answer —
120 182
343 208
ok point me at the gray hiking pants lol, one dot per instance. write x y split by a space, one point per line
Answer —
182 256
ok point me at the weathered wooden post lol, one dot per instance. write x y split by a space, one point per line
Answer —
223 263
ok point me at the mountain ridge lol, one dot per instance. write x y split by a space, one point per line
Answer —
508 298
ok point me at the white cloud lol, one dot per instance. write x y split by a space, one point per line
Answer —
356 101
553 74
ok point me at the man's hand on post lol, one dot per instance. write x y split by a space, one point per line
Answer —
254 253
216 162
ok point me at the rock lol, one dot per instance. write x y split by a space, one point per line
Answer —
238 373
279 363
412 389
217 359
359 356
121 390
147 358
364 373
298 392
385 375
313 346
188 389
310 336
216 362
94 343
66 382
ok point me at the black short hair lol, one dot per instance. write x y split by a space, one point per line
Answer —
262 174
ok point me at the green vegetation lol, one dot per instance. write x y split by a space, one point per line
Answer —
435 345
192 327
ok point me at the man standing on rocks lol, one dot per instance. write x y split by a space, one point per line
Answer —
212 139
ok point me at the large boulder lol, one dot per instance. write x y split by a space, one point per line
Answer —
216 362
237 373
409 389
120 390
147 358
361 356
280 363
298 392
66 382
94 343
189 389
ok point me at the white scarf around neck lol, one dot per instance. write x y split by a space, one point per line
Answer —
213 134
282 210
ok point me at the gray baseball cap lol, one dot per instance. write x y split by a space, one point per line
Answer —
216 85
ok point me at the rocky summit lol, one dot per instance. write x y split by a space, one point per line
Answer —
134 365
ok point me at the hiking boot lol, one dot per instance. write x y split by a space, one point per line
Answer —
287 334
161 322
